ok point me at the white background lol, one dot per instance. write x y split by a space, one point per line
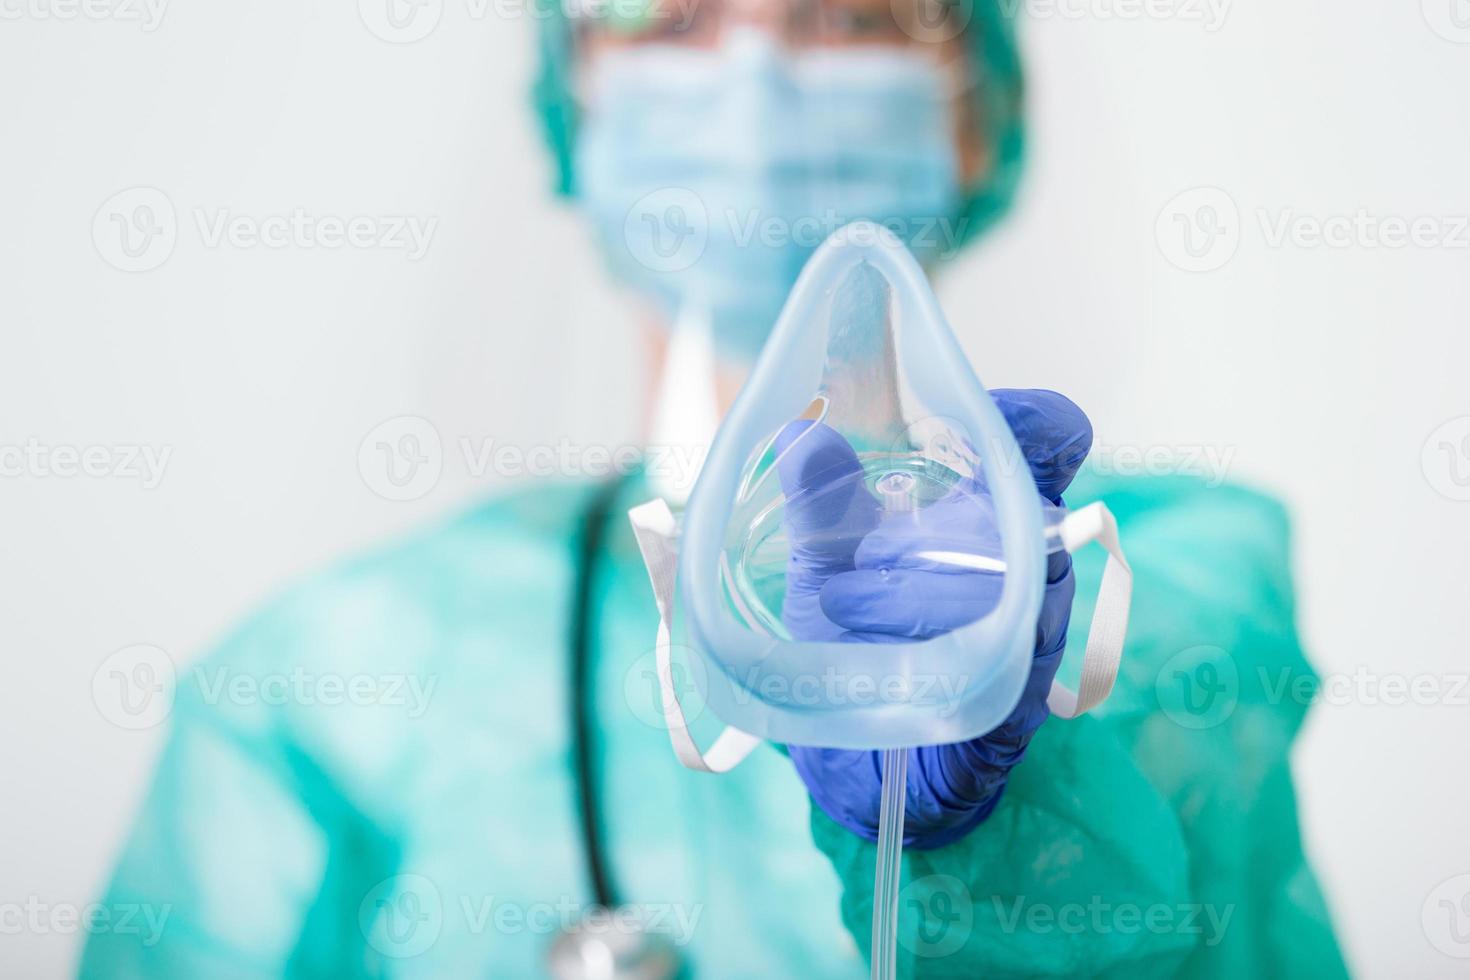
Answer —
1325 371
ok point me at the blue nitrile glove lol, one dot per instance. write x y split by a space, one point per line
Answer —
840 537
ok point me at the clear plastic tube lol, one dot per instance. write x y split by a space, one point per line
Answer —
896 490
884 955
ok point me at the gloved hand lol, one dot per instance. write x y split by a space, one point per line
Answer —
840 538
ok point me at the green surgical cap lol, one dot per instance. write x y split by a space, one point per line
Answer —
996 92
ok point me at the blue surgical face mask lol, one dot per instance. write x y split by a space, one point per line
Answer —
712 175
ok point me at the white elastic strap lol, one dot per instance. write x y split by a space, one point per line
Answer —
1109 618
658 534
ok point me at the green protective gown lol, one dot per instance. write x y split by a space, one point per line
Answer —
429 827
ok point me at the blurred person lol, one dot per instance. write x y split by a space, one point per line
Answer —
517 811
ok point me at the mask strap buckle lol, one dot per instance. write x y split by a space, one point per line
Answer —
658 539
1104 654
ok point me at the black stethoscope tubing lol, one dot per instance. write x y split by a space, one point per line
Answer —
642 955
590 542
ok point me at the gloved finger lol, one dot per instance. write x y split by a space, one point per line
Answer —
908 603
955 533
828 508
1053 433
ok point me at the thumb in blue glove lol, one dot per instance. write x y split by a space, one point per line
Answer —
858 575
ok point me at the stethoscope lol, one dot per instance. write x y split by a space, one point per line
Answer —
593 949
